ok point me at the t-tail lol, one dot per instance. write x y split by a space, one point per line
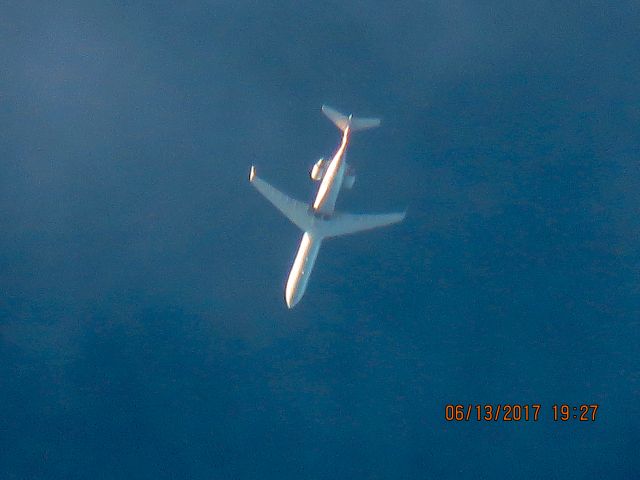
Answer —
354 123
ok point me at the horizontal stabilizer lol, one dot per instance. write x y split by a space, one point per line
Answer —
354 123
294 210
347 223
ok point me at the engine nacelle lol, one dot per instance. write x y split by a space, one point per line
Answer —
348 181
317 172
349 177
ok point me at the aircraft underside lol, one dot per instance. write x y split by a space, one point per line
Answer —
319 220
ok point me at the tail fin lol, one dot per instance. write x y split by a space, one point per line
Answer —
354 123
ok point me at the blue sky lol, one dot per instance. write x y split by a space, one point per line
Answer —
143 330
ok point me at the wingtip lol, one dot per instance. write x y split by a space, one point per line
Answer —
252 173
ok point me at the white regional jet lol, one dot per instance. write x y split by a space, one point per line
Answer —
320 221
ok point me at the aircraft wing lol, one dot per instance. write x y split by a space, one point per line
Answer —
347 223
294 210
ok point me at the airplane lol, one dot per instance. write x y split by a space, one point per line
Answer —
319 220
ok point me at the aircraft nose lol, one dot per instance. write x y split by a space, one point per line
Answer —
291 300
292 296
291 293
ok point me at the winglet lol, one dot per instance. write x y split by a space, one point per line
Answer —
252 174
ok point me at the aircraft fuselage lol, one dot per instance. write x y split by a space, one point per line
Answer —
331 183
324 205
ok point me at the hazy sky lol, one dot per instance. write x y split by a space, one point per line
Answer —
143 329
